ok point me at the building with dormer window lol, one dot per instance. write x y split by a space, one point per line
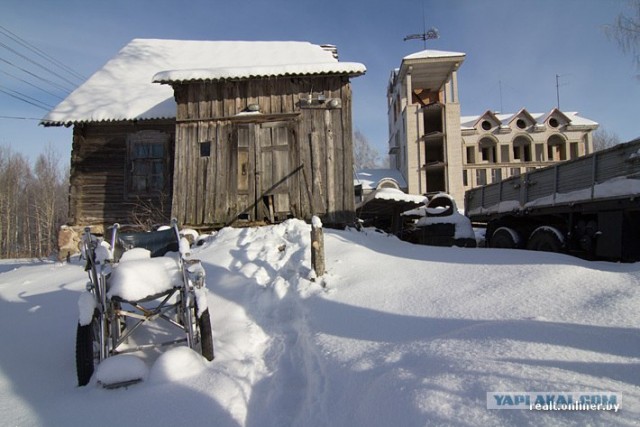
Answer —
437 150
498 146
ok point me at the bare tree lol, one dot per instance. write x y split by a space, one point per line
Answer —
46 211
149 213
364 155
602 139
626 31
32 205
15 176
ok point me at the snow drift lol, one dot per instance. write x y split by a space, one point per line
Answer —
400 334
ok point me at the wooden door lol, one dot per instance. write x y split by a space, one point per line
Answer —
264 171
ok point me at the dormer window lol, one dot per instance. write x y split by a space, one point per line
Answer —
486 125
553 122
521 124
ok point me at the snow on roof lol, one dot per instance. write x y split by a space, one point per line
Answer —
123 88
468 122
371 178
429 53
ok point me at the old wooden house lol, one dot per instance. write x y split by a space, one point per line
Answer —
212 132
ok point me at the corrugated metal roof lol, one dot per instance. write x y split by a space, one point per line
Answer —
223 73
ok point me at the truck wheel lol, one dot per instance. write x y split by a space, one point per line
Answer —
505 237
546 239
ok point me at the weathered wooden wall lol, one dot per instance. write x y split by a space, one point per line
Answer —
304 149
98 194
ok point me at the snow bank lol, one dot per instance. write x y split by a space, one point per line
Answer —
176 364
402 334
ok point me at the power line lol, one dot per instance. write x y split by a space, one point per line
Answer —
20 118
52 83
25 98
40 53
30 84
39 65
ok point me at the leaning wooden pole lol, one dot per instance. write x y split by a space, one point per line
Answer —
317 246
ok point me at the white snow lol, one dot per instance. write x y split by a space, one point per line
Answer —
402 334
135 254
190 233
397 195
184 247
123 89
176 364
136 279
103 252
121 368
86 307
430 53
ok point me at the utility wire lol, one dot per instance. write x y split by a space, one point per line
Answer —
40 53
30 84
25 98
26 58
52 83
20 118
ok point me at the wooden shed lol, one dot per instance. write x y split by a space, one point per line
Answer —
212 133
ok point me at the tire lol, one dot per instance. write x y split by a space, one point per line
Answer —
206 336
505 237
546 239
87 350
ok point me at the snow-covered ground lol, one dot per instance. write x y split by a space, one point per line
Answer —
399 335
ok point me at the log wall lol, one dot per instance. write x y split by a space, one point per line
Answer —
99 192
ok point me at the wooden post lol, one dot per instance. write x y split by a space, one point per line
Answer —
317 246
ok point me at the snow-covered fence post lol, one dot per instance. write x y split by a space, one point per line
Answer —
317 246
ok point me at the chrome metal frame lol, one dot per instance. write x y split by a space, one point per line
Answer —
111 314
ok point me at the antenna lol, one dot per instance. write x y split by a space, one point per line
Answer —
558 87
558 90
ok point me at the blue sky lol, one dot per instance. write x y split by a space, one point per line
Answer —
514 48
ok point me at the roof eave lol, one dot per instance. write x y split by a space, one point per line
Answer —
251 77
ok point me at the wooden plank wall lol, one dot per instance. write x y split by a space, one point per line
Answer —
205 188
98 180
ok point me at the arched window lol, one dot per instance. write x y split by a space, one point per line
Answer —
556 148
522 148
488 150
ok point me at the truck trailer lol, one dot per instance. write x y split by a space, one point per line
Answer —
588 207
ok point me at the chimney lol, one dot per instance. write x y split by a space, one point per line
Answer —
331 48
